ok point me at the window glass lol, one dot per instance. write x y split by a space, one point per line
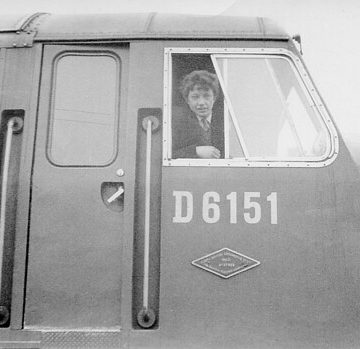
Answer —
275 117
261 110
84 110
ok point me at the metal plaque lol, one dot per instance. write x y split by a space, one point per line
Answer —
225 263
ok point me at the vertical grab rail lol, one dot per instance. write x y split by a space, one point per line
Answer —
4 183
147 217
146 317
14 124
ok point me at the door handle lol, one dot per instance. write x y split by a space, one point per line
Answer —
117 194
112 194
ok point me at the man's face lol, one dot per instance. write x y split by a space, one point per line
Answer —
201 101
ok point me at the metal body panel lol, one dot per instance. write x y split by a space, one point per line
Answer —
298 296
143 25
18 32
62 27
20 339
84 263
292 298
13 22
19 92
150 98
23 196
17 40
2 67
74 273
81 340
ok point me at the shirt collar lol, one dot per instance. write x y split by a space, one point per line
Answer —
208 118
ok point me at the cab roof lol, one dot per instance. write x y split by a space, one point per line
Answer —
55 27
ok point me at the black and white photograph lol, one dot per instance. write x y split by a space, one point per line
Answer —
179 174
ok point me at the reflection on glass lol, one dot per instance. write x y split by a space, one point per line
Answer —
84 110
235 149
274 113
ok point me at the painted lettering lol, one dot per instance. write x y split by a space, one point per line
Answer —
273 207
254 215
180 216
232 265
212 207
211 210
232 197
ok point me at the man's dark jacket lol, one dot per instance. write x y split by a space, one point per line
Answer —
187 134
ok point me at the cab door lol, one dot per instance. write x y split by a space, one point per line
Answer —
78 190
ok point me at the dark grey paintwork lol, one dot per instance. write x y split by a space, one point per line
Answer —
142 25
304 294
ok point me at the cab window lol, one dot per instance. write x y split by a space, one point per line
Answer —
84 110
263 109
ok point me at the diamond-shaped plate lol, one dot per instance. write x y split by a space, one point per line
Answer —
225 263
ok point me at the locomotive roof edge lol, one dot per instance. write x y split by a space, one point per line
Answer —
53 27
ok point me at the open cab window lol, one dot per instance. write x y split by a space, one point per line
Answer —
264 110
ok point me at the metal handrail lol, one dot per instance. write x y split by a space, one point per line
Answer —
147 216
146 317
4 185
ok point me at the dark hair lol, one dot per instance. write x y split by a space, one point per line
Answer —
201 78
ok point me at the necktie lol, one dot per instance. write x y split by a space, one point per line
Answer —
205 124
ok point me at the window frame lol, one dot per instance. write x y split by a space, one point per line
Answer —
55 62
304 81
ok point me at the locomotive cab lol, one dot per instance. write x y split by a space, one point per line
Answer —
114 235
